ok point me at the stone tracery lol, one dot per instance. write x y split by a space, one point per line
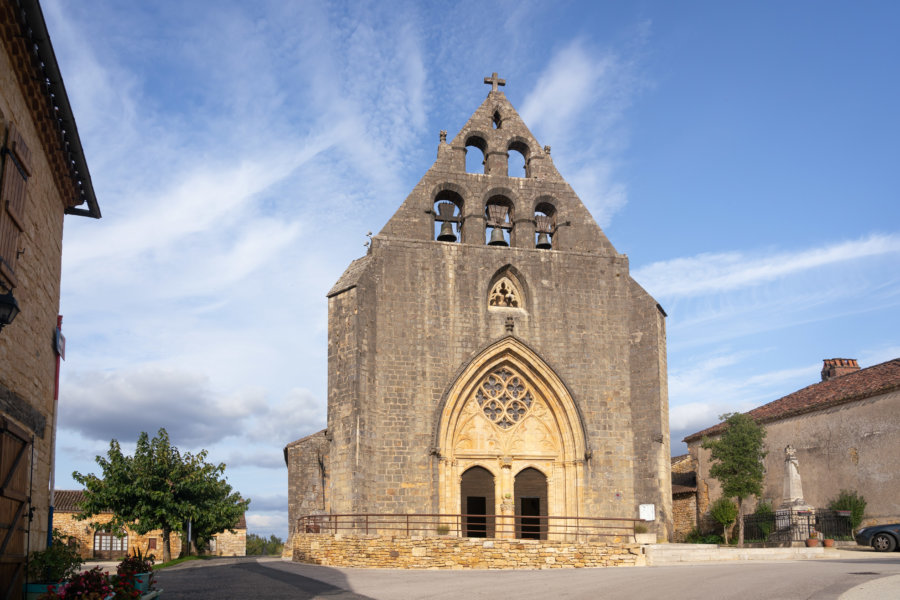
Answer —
504 294
504 397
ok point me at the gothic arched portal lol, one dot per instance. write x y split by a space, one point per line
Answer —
509 413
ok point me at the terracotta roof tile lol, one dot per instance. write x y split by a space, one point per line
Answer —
70 501
865 383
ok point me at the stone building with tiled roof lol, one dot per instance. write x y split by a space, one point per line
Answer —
100 543
44 181
846 433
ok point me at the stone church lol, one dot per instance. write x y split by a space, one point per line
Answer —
490 354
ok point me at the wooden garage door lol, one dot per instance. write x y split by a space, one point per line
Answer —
15 465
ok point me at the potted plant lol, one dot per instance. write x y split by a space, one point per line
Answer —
95 585
138 567
641 535
813 540
52 567
828 542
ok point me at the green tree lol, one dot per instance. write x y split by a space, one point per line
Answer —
159 488
258 545
737 458
724 512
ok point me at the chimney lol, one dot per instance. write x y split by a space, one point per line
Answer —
836 367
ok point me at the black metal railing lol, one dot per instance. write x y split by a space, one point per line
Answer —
796 525
471 525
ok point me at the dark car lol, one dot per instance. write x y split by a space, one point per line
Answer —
884 538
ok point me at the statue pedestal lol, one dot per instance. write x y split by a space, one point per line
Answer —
795 521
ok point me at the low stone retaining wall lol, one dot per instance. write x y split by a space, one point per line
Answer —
388 552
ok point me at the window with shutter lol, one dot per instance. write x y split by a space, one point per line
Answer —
16 168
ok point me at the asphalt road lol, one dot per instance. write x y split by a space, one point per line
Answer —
848 577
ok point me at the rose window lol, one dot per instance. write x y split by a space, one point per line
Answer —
504 397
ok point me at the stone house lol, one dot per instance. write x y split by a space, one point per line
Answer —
684 496
43 177
846 433
490 355
100 543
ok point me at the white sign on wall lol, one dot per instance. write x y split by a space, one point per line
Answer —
647 512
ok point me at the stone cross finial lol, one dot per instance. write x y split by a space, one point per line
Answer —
494 81
443 135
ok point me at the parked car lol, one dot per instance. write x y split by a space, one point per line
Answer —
884 538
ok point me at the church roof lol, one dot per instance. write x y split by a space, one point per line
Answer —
858 385
350 277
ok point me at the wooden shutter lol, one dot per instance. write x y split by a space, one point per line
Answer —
16 169
15 474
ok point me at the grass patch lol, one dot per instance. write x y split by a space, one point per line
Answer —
178 561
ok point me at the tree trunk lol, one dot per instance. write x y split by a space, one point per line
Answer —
740 522
167 549
725 533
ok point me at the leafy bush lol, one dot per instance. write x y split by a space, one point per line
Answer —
59 562
697 537
766 522
640 528
725 512
764 508
852 501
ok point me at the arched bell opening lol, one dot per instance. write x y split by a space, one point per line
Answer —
530 492
475 161
477 499
499 215
518 159
448 206
545 225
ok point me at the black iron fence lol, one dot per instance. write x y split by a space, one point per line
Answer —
796 525
539 527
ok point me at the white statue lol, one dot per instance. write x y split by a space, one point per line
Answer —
793 489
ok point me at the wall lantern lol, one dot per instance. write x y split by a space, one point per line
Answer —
9 308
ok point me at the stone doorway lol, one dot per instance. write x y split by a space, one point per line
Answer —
476 491
531 504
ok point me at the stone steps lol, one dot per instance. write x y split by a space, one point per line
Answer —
669 554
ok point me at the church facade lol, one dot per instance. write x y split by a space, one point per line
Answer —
490 354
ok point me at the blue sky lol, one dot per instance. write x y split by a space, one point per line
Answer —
745 157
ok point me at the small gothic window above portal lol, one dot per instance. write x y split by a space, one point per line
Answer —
504 294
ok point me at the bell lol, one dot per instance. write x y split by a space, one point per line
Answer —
497 238
446 234
543 242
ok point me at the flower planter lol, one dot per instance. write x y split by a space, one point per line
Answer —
142 582
33 591
828 543
645 538
812 543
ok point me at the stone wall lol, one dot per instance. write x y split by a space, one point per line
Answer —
27 358
149 543
458 553
854 446
231 544
684 511
306 459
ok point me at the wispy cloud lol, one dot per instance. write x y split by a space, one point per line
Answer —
578 105
724 272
